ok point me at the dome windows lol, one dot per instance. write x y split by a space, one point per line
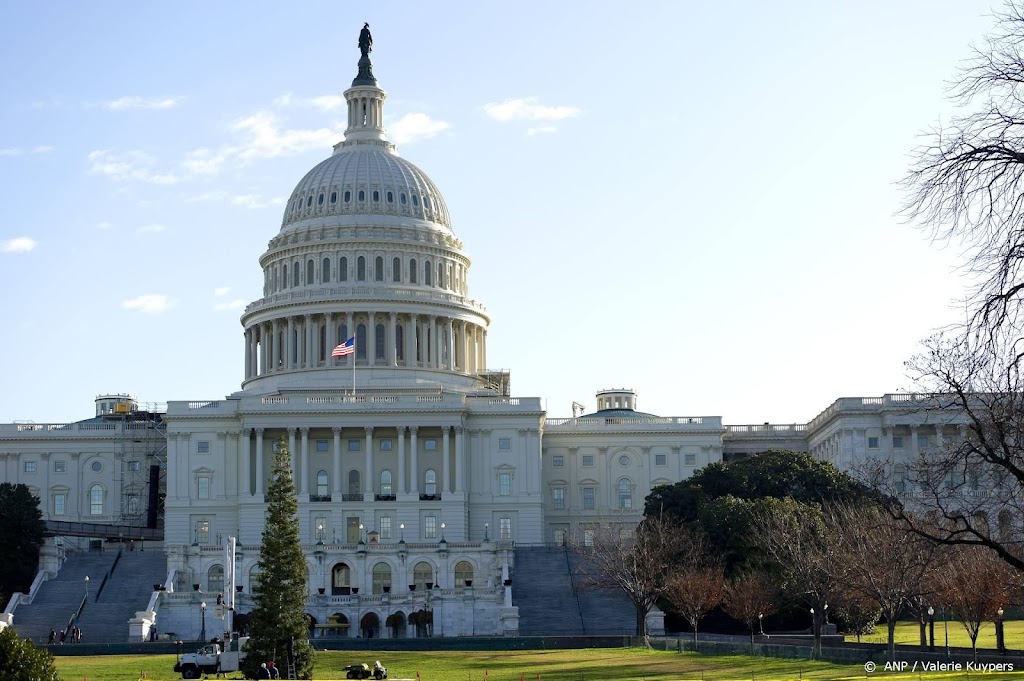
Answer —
326 271
320 199
402 199
378 269
348 196
361 196
415 200
390 196
426 203
343 269
334 197
412 269
361 269
376 196
309 201
396 269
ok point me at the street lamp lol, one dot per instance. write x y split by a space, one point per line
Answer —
945 625
401 527
442 534
361 533
202 633
931 628
1000 639
760 622
487 526
87 587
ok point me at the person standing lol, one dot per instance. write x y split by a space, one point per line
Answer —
263 673
274 673
53 636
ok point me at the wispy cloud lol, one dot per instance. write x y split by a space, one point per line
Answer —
213 195
264 137
21 244
528 109
321 102
150 303
8 151
153 228
134 102
415 126
544 129
236 304
221 291
42 149
130 165
14 151
206 161
103 225
256 201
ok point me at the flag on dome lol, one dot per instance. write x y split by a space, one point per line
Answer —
346 348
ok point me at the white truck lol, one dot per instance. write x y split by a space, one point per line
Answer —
206 659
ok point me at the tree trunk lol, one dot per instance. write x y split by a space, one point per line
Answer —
816 628
923 625
641 622
890 624
693 623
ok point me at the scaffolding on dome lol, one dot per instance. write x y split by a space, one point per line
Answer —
498 381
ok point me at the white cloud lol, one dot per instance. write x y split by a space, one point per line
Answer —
151 303
266 139
103 225
21 244
221 291
152 228
321 102
205 161
10 152
415 126
544 129
236 304
527 109
214 195
42 149
130 165
127 103
255 201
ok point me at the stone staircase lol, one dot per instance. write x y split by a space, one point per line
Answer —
604 612
543 591
105 619
58 599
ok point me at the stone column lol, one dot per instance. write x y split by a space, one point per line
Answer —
414 468
275 345
410 342
446 461
336 484
260 474
247 335
392 346
331 336
402 487
350 322
173 460
450 342
368 485
311 356
289 344
292 454
435 346
460 456
304 471
371 339
244 488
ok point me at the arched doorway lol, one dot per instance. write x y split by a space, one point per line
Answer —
396 623
341 579
336 626
369 626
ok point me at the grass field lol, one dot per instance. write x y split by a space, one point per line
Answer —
908 633
562 665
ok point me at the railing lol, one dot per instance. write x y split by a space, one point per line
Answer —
109 573
351 497
319 498
706 421
768 429
383 292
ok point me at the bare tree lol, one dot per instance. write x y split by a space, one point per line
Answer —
695 583
749 598
974 584
857 612
634 563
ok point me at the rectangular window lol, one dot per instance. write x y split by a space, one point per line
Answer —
504 444
558 498
660 460
58 503
430 527
353 445
588 537
922 442
557 461
504 484
505 528
203 484
321 445
588 459
320 529
430 445
588 498
203 532
385 527
204 446
134 465
385 445
60 466
872 443
30 466
897 442
690 459
559 537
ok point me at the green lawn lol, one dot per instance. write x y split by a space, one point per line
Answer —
563 665
908 633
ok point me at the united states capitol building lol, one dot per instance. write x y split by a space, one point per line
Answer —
420 477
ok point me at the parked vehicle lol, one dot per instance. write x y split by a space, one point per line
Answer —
206 659
363 671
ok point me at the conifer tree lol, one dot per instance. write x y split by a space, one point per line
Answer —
278 620
22 661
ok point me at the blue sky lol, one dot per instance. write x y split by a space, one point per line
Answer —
694 200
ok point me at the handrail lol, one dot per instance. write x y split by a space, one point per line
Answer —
575 593
110 572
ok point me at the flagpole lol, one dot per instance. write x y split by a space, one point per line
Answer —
353 376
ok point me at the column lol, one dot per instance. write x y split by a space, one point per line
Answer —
289 344
460 452
464 354
414 469
446 476
939 441
292 454
450 342
435 347
304 471
410 342
247 334
244 488
311 355
260 475
275 344
371 339
402 487
392 352
331 336
172 483
483 357
265 348
336 485
368 485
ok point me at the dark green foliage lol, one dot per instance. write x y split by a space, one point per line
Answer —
21 535
280 596
22 661
724 498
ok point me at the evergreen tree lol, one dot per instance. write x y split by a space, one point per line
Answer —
22 661
278 620
21 535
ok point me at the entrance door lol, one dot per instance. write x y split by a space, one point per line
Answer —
352 530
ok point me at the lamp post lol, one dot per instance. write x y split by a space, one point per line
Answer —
931 628
401 527
760 622
202 633
814 634
1000 639
442 533
361 533
87 587
487 527
945 625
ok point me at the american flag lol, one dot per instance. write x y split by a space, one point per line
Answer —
346 348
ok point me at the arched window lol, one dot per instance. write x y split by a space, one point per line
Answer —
430 482
96 500
361 268
284 278
254 579
463 573
334 197
295 347
310 271
353 482
390 197
378 269
381 578
401 198
215 579
396 269
625 494
295 273
321 483
361 195
385 483
320 199
323 343
1005 526
341 576
348 196
422 574
342 333
361 341
378 342
376 196
440 275
343 269
325 275
428 276
399 342
412 270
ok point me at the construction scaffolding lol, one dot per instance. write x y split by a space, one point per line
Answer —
141 475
